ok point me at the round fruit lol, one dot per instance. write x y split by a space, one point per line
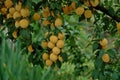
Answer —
61 36
46 12
60 58
46 22
8 3
49 62
60 44
51 45
45 56
24 12
65 10
56 50
9 16
18 6
88 14
104 42
94 3
73 5
58 22
44 44
36 16
106 58
4 10
53 39
16 15
14 34
118 26
79 10
30 48
24 23
12 10
53 57
17 24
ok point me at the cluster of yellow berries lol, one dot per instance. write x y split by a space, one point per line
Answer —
104 43
55 44
92 3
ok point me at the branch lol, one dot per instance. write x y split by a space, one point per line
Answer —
104 10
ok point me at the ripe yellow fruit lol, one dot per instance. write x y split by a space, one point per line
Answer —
86 2
16 15
61 36
8 3
24 12
73 5
56 50
44 44
53 57
14 34
12 10
46 22
106 58
24 23
53 39
49 62
45 56
104 42
9 16
94 3
79 10
46 34
60 58
118 26
60 44
18 6
30 48
58 22
51 45
88 14
46 12
36 16
4 10
65 9
17 24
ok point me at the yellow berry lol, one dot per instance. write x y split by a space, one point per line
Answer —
46 22
60 58
24 12
9 16
8 3
104 42
118 26
45 56
24 23
79 10
14 34
53 39
44 44
53 57
16 15
18 6
73 4
4 10
106 58
51 45
12 10
87 3
30 48
36 16
17 24
61 36
66 9
58 22
46 12
60 44
56 50
94 3
88 14
49 62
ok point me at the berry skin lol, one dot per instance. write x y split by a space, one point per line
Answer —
104 42
53 39
8 3
24 23
30 48
49 62
60 44
44 44
12 10
56 50
94 3
106 58
36 16
79 10
24 12
16 15
53 57
18 6
45 56
14 34
58 22
88 14
51 45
